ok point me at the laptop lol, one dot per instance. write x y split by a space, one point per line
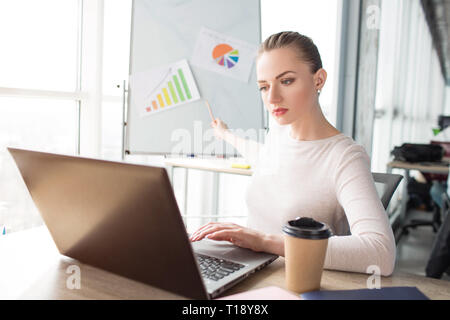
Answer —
124 218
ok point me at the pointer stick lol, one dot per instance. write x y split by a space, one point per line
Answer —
210 111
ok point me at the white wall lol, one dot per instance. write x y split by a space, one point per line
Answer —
316 19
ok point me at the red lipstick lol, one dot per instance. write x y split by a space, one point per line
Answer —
279 111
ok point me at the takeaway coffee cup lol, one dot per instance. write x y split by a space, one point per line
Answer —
305 246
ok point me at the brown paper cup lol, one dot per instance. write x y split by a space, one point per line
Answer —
305 247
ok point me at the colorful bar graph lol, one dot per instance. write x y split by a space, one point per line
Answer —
166 96
160 100
177 85
172 92
185 86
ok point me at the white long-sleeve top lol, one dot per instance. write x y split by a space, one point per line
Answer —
328 180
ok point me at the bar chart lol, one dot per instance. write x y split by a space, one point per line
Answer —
176 87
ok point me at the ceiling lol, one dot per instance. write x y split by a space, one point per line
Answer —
437 13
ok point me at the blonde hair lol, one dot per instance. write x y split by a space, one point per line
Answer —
303 45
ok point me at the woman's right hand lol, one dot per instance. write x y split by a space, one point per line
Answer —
220 128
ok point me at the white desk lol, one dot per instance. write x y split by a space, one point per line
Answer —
214 165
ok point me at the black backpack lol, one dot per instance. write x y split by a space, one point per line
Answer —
412 152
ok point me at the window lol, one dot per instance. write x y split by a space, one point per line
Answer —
38 124
410 85
39 44
39 105
116 53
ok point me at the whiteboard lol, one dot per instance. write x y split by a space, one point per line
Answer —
166 31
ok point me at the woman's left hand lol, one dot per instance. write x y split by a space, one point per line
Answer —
238 235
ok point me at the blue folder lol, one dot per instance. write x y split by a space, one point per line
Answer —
388 293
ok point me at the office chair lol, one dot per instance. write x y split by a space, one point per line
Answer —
439 261
386 184
434 222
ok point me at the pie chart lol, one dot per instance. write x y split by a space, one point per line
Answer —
225 55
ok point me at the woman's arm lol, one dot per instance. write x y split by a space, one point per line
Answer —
249 149
371 243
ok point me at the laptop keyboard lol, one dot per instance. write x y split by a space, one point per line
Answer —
216 269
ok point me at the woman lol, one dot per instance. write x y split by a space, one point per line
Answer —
306 168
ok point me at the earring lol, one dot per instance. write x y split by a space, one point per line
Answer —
318 92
